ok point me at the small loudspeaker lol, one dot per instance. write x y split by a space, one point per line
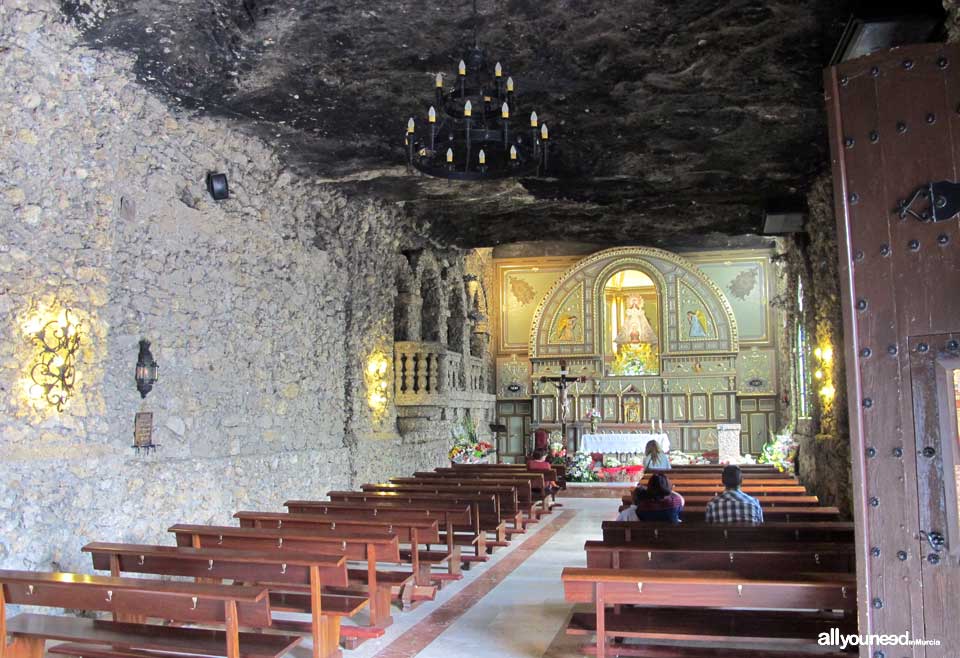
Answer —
217 186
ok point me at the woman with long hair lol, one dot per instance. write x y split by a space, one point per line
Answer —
655 502
655 458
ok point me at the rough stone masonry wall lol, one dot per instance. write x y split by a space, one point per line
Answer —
261 309
825 466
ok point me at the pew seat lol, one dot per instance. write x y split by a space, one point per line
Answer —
80 633
790 628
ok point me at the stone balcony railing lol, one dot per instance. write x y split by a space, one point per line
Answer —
428 374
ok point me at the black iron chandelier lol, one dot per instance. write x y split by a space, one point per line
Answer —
476 129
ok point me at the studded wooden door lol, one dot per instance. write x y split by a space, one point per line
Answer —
894 126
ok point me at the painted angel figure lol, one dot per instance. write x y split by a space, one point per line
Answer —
697 323
566 329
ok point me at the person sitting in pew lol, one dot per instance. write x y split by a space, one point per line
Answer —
655 502
733 505
538 462
654 457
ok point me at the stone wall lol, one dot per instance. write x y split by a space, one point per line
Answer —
823 435
262 309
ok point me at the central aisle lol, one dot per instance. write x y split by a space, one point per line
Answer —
513 606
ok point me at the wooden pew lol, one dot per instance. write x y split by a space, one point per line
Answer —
412 532
484 513
448 515
372 547
526 502
766 560
230 606
540 503
756 492
799 513
706 606
748 476
710 534
683 481
559 469
506 506
765 501
278 572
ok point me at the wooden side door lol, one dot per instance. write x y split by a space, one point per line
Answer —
894 122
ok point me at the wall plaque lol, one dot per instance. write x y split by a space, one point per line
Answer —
143 430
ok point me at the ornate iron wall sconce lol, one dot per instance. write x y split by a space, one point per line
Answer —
146 373
53 371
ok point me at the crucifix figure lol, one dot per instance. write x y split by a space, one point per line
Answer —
562 383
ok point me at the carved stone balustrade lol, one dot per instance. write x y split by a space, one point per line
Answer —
427 374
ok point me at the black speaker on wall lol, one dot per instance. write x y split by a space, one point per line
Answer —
217 186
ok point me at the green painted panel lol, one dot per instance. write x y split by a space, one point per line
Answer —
744 282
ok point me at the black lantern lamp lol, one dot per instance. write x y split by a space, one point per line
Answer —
146 374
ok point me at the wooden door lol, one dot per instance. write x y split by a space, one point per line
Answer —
894 125
516 415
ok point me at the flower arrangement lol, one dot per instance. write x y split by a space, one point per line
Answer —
684 458
780 450
611 462
558 453
635 460
467 447
593 415
580 468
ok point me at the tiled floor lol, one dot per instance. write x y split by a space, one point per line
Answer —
510 606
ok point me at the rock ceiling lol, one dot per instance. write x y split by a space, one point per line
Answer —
669 119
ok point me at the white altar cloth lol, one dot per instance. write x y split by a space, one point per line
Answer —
622 443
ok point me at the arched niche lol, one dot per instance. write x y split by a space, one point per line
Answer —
693 315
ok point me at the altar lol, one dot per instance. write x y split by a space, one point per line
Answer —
623 443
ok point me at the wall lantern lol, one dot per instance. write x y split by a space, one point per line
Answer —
376 375
53 371
146 373
822 374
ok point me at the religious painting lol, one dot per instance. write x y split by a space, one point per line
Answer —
522 284
744 282
631 318
695 320
567 325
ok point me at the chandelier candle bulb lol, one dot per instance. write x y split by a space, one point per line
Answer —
482 157
533 120
439 80
509 85
410 125
462 68
544 133
498 70
513 152
505 111
468 109
449 156
432 115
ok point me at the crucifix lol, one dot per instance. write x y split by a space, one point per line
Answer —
562 383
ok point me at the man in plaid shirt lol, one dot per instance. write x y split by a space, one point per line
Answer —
734 506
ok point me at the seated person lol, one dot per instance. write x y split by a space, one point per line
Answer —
538 462
654 457
655 502
734 506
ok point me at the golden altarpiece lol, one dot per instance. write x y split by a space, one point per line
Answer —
654 338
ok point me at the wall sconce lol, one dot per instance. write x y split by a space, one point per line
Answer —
146 373
823 373
377 385
53 371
